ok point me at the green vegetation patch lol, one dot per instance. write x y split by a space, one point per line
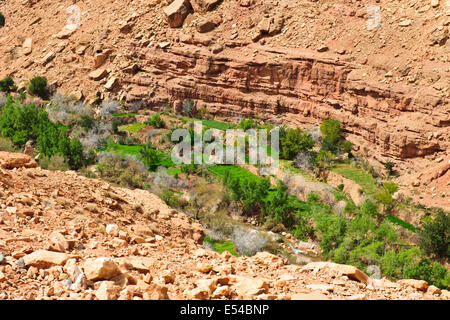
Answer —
135 150
133 127
401 223
213 124
361 177
221 246
124 114
234 172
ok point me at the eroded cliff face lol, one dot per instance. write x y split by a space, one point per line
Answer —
295 62
299 88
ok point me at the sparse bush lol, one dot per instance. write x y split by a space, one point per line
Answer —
304 160
163 179
97 137
38 87
188 107
2 100
108 108
6 145
2 20
249 242
55 162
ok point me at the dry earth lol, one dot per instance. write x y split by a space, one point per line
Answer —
64 236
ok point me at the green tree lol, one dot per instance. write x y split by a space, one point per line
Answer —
150 157
76 154
331 134
293 142
2 20
435 235
332 137
280 207
331 230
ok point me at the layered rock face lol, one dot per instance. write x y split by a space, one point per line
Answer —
299 88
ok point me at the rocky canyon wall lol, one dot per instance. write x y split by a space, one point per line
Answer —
298 88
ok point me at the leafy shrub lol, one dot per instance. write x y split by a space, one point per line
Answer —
38 87
2 20
26 122
246 124
313 197
156 121
172 199
86 122
389 166
191 168
332 137
7 85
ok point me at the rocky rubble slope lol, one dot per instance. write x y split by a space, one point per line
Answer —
63 236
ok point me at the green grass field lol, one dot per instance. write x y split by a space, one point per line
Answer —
127 149
124 114
361 177
287 165
164 159
234 171
133 127
221 246
213 124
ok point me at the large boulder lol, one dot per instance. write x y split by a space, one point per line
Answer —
100 269
421 285
43 259
176 12
9 160
351 272
249 287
